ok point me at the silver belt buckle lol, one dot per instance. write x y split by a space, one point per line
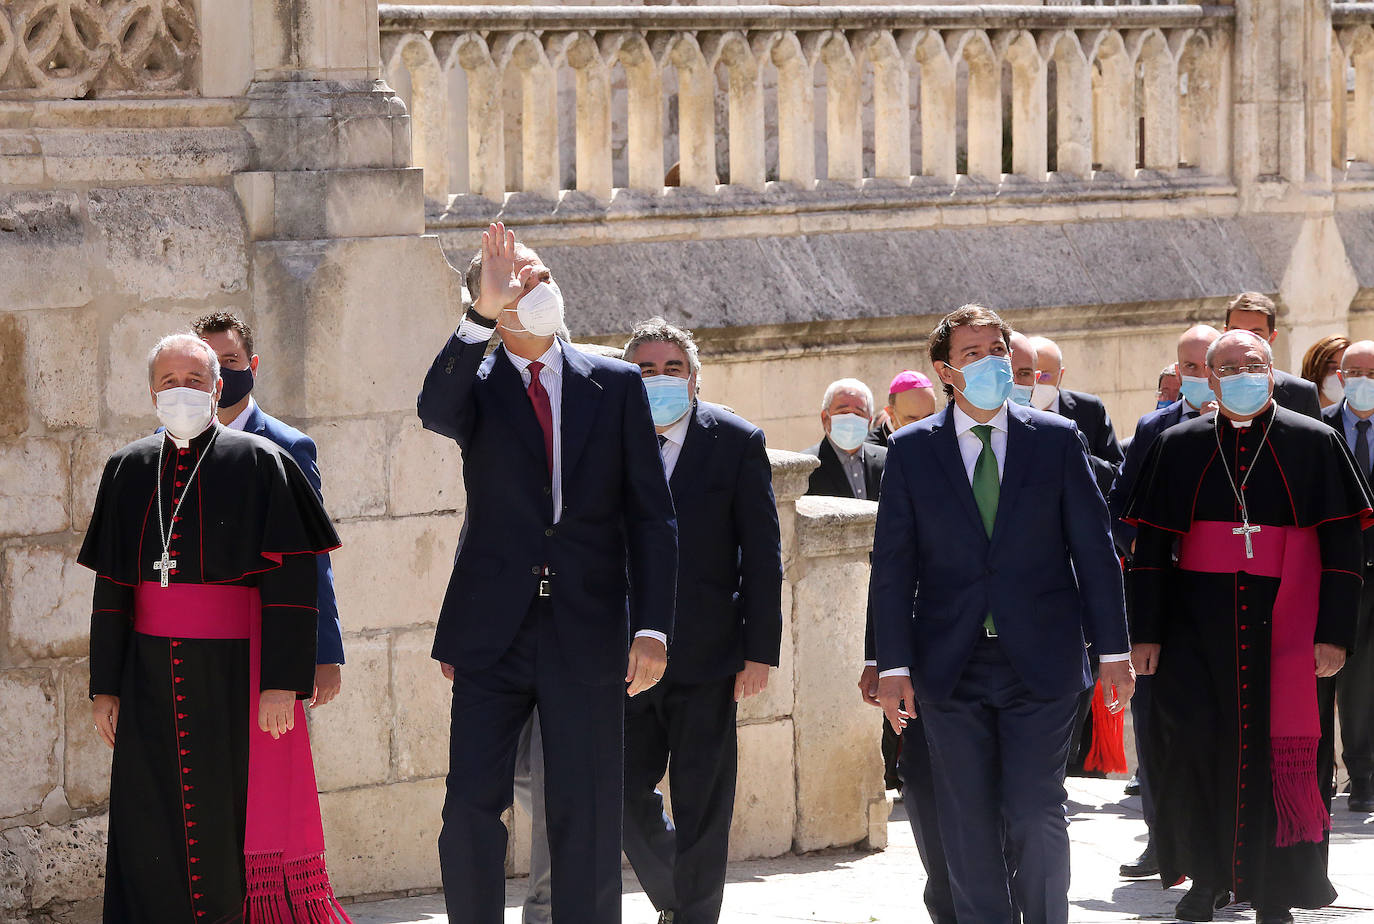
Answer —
545 588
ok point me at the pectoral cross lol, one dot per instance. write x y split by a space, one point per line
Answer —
1244 529
166 564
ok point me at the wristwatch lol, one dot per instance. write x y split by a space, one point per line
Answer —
480 320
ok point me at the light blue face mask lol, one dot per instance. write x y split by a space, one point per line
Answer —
669 398
987 382
1021 394
848 431
1162 403
1245 392
1359 393
1196 390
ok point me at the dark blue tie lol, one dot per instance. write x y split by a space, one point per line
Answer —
1362 446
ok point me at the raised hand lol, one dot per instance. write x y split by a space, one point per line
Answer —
501 288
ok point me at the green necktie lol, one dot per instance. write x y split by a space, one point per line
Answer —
986 488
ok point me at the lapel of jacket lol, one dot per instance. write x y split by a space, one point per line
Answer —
873 478
696 449
581 395
1068 407
513 402
256 422
947 442
1019 433
834 470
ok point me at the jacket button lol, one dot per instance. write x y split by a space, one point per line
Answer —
534 570
548 532
547 490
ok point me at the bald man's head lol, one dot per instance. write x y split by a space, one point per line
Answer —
1357 377
1359 356
1022 359
1192 350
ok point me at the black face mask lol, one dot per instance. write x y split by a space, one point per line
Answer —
237 384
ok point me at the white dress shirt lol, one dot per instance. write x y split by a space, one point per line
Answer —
970 448
672 440
241 421
551 377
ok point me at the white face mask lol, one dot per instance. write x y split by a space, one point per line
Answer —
1332 389
185 412
540 311
1043 396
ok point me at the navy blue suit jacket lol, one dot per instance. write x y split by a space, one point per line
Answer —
1048 574
1147 430
729 577
1095 424
616 541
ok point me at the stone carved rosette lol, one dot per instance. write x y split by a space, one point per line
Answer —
79 49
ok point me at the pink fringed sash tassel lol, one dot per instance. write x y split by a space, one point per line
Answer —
1294 557
287 881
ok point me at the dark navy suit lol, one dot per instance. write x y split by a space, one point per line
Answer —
1090 414
611 560
998 711
1147 430
329 636
729 610
1297 394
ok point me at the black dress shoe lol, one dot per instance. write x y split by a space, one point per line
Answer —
1273 916
665 917
1133 786
1201 902
1361 795
1144 866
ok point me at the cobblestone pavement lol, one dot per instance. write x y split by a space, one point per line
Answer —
850 887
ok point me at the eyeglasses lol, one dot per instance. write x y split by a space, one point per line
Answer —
1249 369
1358 373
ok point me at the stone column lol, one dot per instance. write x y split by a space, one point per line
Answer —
840 798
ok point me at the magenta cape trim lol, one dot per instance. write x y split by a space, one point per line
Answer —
284 841
1294 557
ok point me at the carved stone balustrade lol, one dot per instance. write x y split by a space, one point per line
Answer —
780 101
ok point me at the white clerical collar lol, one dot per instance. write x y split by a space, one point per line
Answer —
677 433
964 423
241 422
181 443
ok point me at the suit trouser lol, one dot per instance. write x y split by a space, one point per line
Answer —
529 793
1351 692
999 753
918 795
689 730
1141 716
582 734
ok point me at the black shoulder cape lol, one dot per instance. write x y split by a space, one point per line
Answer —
253 495
1318 471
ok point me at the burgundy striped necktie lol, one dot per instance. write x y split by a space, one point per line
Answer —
542 410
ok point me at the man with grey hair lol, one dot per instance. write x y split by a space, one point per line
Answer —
1245 588
850 467
203 540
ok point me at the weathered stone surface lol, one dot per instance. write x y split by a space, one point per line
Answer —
351 736
765 799
393 573
791 470
61 366
70 864
353 460
426 472
182 242
48 603
86 758
839 770
1040 259
33 487
130 339
90 451
381 838
830 525
29 728
321 301
776 698
15 879
422 698
44 229
14 408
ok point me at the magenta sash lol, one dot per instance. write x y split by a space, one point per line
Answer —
1293 556
284 840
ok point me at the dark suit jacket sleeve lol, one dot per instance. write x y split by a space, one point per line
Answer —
1094 558
446 403
329 633
896 570
1104 452
650 520
760 547
1299 395
1125 481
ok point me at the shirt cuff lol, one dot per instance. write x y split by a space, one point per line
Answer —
870 664
1114 657
895 672
653 633
470 331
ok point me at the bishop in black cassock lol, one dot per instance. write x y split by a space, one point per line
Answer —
1237 802
247 532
